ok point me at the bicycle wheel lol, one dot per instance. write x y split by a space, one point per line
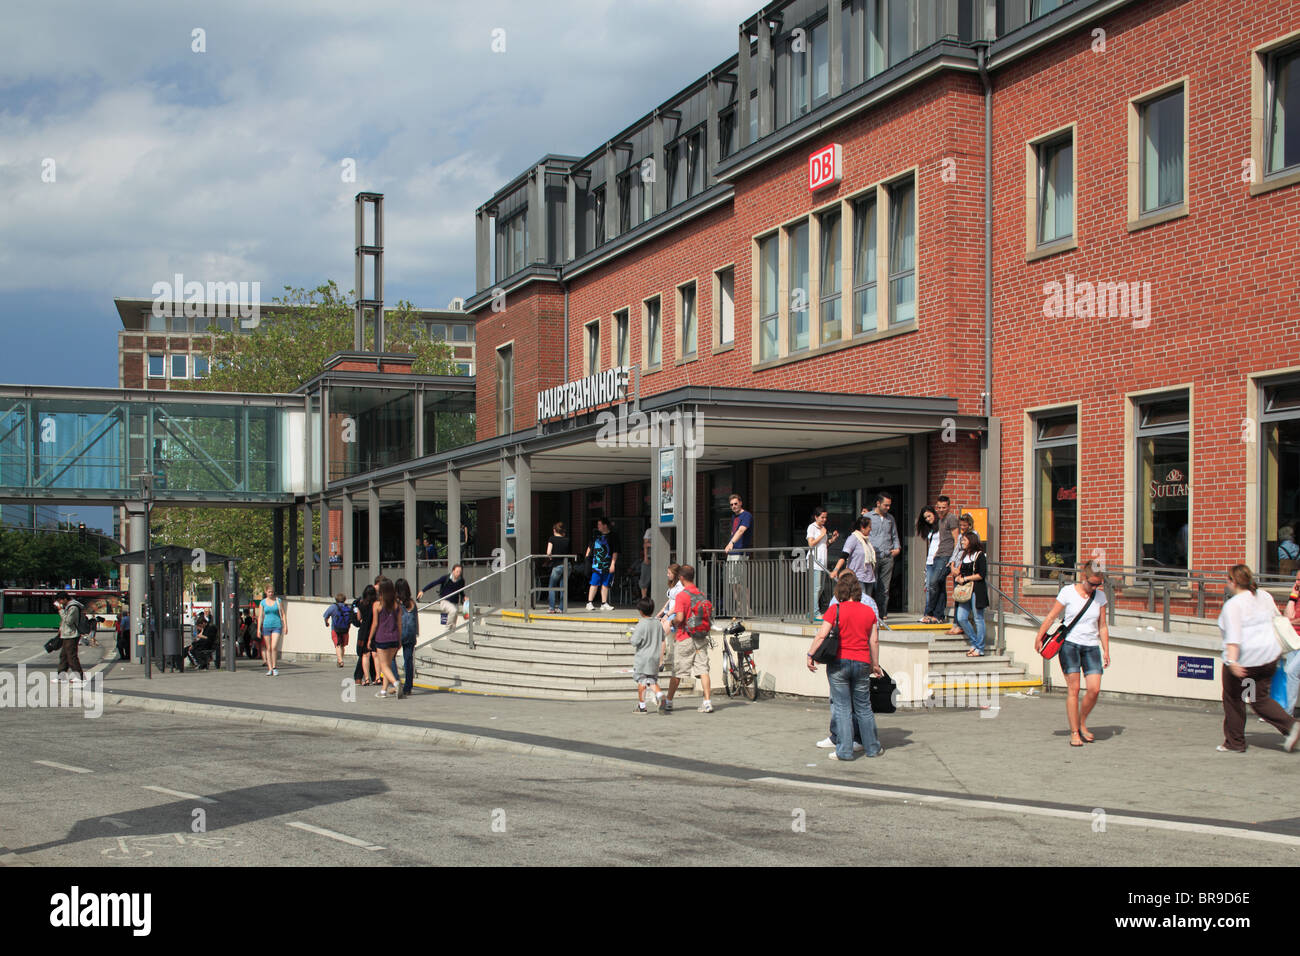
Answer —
730 683
748 677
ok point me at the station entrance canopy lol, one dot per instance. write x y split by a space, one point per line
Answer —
88 445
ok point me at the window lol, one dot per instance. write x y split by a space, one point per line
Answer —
1055 190
1056 489
1162 152
1280 425
224 323
645 188
688 334
799 88
180 366
902 253
1282 116
201 366
463 368
178 323
1164 477
625 200
685 167
157 323
598 206
821 63
460 333
622 342
899 25
864 266
810 68
653 332
438 333
753 115
512 244
768 296
727 133
591 348
157 366
505 390
831 324
799 288
1045 6
724 307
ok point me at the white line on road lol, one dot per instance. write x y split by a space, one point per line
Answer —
341 837
181 794
62 766
1084 815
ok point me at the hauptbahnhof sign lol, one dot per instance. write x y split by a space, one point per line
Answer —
574 398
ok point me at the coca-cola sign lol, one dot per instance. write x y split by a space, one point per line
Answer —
1067 494
1174 486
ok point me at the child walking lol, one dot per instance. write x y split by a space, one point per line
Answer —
648 639
339 618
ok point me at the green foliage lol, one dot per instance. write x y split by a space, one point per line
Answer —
29 559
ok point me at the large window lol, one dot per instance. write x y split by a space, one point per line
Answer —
1055 190
688 334
505 390
724 307
1282 116
1162 151
1056 489
810 68
622 346
1164 478
864 266
899 25
512 244
799 288
686 167
768 298
591 348
653 316
180 366
157 366
830 291
902 253
1280 427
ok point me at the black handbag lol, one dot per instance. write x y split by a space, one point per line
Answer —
829 650
882 693
53 644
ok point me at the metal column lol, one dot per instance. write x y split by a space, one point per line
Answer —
139 574
349 546
372 508
411 542
308 552
277 551
453 517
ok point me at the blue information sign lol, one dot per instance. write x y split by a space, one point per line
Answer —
1197 668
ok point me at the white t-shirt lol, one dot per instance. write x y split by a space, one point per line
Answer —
1247 620
1085 632
820 551
673 591
934 547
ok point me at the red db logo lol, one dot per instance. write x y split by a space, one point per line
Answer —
825 167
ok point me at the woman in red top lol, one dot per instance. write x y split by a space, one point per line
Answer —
850 675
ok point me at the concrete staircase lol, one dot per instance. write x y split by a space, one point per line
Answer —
555 657
949 664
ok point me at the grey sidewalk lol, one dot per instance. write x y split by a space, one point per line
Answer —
1148 759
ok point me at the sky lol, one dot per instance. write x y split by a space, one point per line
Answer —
133 148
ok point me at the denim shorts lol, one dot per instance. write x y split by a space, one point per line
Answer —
1080 657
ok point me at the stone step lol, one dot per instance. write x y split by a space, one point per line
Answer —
510 685
541 674
476 661
522 640
527 654
957 657
959 670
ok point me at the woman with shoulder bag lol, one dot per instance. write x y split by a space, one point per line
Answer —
972 591
927 529
849 674
1086 647
1250 652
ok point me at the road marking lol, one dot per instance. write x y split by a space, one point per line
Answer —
181 794
62 766
1083 815
36 657
341 837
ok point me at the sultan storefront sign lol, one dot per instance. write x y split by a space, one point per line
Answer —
1171 493
584 394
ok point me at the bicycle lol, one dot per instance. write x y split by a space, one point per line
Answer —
739 674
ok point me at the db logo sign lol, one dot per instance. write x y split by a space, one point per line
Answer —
825 167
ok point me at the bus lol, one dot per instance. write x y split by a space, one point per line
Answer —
34 607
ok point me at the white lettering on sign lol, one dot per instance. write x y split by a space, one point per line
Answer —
574 398
825 167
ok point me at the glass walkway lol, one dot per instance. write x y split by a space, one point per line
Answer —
90 445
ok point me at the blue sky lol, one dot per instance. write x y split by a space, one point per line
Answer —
225 164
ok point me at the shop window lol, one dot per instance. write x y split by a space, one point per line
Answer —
1056 490
1163 481
768 298
1280 428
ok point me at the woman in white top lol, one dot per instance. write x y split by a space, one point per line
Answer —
927 529
818 538
674 588
1250 652
1086 649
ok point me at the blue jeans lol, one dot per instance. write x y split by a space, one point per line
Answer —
408 666
971 620
554 596
936 591
850 683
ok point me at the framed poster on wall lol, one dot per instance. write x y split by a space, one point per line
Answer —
667 487
510 506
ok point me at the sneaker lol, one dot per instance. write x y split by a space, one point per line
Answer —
668 706
382 693
401 691
590 606
826 743
80 682
833 755
1228 750
859 749
706 707
1293 735
640 709
662 702
270 673
275 672
607 607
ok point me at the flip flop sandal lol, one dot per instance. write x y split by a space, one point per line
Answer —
1075 741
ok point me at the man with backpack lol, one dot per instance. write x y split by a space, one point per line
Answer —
693 619
72 625
339 618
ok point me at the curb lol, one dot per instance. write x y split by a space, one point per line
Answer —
361 728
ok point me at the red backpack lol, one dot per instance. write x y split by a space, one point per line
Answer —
699 615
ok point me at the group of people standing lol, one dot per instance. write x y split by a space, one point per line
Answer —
953 546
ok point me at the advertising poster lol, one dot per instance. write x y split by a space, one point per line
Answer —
510 506
667 486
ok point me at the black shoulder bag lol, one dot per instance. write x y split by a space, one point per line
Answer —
829 649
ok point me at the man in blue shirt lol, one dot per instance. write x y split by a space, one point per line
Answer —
884 538
449 587
737 548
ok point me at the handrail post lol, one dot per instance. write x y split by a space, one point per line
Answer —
1200 595
1151 593
469 626
1002 629
1015 584
1166 614
1110 601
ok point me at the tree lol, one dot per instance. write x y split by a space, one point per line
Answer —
28 559
286 350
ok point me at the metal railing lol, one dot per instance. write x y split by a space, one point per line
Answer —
771 583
